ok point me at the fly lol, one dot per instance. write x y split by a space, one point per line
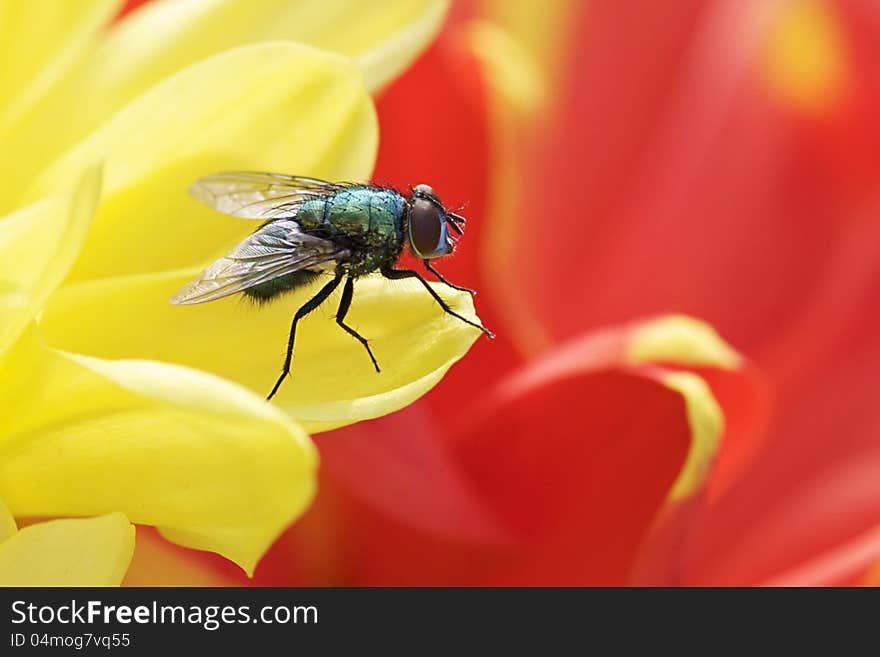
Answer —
312 228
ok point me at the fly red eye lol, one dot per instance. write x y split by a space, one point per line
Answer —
427 229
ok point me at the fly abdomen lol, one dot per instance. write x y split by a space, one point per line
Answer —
272 288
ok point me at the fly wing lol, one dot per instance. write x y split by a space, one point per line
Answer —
276 249
259 195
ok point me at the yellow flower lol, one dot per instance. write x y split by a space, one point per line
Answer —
111 399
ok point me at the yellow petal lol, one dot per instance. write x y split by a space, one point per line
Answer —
706 420
333 381
291 108
544 33
7 523
39 39
681 340
212 466
162 38
511 70
410 28
165 36
74 552
38 245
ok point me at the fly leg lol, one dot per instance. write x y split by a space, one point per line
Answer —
397 274
344 304
306 308
440 278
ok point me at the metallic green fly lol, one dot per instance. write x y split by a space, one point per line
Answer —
314 228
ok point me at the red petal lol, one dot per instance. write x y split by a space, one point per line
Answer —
806 511
402 466
579 466
809 497
676 181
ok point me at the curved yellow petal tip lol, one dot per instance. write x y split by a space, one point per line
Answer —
681 340
414 341
70 552
511 69
706 420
